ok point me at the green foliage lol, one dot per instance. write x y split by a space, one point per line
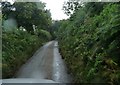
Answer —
90 43
28 14
6 9
18 45
70 6
17 48
44 34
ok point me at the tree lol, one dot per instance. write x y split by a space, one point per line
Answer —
70 6
7 9
28 14
94 8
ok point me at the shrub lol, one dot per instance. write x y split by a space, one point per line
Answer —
91 45
17 48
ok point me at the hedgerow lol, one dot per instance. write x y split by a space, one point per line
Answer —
90 45
17 48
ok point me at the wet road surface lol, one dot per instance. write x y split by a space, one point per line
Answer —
46 65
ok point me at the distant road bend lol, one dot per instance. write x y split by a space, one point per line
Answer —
45 66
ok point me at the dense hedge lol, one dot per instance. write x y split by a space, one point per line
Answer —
17 48
90 45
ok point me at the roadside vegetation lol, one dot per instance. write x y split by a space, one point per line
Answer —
90 41
25 27
17 48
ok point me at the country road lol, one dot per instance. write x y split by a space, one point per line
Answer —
46 65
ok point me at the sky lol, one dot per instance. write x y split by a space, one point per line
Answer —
55 7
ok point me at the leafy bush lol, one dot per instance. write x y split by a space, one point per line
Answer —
17 48
90 45
44 34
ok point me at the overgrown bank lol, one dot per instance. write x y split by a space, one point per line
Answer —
17 48
26 27
90 43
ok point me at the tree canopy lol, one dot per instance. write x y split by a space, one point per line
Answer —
28 14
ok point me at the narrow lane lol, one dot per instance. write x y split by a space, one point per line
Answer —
60 69
40 65
45 64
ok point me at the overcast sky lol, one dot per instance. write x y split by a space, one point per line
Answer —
55 7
